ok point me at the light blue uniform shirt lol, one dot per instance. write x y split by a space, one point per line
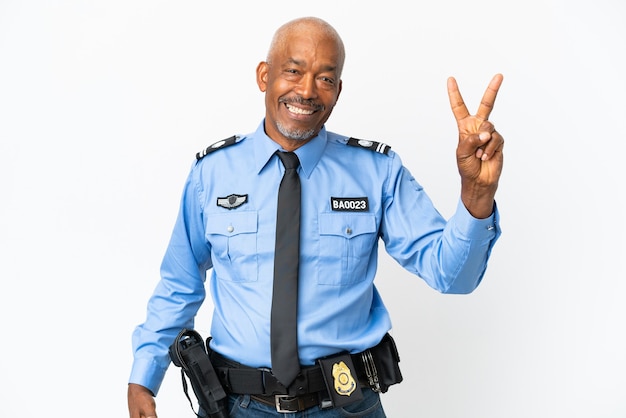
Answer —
339 307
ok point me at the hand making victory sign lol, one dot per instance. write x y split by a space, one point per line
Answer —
479 152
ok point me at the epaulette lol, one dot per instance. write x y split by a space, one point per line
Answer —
370 145
218 145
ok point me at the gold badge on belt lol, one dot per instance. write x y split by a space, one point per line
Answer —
341 379
344 382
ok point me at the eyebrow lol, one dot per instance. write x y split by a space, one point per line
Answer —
325 68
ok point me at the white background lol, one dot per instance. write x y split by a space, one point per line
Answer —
104 104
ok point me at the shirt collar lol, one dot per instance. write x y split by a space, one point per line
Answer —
309 154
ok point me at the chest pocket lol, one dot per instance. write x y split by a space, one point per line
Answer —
346 245
233 239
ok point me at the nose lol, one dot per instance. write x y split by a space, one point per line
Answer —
307 88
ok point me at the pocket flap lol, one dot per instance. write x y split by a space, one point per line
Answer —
347 226
230 224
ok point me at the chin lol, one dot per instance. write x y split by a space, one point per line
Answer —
296 134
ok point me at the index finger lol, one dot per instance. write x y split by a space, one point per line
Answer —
456 101
489 98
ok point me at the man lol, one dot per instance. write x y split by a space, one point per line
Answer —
353 194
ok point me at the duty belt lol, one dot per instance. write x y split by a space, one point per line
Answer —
309 388
240 379
376 368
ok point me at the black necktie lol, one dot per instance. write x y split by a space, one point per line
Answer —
284 341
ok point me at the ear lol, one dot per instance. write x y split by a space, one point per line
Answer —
261 75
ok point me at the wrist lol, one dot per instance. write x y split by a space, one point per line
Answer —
479 203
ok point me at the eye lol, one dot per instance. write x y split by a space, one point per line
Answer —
291 74
327 80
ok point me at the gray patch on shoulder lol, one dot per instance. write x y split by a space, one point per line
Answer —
216 146
379 147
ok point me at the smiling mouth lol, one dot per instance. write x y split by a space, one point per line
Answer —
299 110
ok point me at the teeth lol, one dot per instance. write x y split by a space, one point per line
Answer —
298 110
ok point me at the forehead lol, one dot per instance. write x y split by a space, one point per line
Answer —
307 47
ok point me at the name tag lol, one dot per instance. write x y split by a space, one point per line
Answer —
349 204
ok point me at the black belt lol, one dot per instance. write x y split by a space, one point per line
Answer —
285 403
308 389
240 379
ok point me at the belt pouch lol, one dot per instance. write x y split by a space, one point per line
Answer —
386 359
341 379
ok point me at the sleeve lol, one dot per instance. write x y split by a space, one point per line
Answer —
450 256
178 295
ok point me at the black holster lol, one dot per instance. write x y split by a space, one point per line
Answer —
190 354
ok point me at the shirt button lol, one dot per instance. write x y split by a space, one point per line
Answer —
230 228
349 231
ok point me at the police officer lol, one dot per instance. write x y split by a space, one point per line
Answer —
355 194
